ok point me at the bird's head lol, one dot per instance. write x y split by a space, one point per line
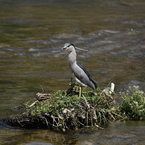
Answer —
68 47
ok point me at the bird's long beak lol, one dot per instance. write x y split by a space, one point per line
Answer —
63 48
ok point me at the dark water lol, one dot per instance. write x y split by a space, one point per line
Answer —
31 59
122 133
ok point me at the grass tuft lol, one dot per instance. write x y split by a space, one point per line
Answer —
133 105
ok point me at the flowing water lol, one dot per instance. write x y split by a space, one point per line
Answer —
31 59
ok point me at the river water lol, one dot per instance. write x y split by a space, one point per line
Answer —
31 59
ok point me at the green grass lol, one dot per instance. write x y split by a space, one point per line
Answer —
133 105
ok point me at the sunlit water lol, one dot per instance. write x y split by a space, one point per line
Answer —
31 59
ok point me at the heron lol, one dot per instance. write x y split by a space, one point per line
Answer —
80 74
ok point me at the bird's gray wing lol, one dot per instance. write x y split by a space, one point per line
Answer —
86 72
84 77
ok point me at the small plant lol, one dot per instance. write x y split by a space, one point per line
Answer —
133 105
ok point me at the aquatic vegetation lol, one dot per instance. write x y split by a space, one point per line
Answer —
133 105
65 110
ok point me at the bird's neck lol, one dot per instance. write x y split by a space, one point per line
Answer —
72 57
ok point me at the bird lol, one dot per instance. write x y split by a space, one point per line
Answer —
80 74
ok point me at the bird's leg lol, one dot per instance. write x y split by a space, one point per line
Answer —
80 92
